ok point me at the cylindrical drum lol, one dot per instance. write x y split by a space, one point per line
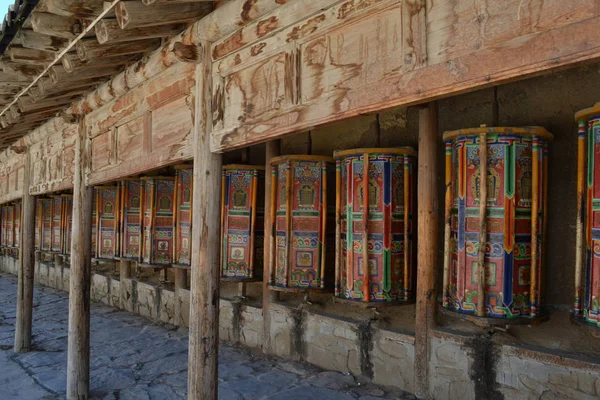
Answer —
56 224
131 216
159 200
301 192
17 225
94 223
183 215
587 251
242 221
6 235
44 229
107 222
499 224
374 211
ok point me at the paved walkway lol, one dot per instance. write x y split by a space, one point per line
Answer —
135 358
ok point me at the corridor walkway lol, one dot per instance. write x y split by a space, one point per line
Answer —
134 358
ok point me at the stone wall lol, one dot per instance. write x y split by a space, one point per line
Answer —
461 367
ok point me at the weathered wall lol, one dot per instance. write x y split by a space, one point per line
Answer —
311 63
11 178
147 128
461 367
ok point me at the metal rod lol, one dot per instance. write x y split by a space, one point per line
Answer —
365 233
447 224
580 205
535 176
482 224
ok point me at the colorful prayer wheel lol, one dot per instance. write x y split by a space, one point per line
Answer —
374 212
3 224
131 216
107 222
44 224
17 225
587 251
159 205
183 215
67 222
7 234
302 256
242 222
56 233
94 223
508 213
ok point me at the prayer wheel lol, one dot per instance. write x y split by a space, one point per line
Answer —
44 224
374 212
94 223
507 214
67 222
3 223
107 222
302 256
587 251
159 204
131 215
56 224
183 215
7 233
17 225
242 222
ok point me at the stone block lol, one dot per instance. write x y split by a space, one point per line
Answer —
565 379
585 382
167 306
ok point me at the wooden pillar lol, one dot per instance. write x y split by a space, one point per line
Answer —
204 296
78 353
427 207
180 283
273 149
26 265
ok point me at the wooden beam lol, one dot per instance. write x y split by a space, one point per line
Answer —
82 9
505 61
427 221
61 89
26 271
33 40
90 49
223 21
72 63
108 31
55 25
23 55
78 351
26 71
157 2
273 149
134 14
204 298
59 75
26 104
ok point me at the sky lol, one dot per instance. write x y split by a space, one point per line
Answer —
4 7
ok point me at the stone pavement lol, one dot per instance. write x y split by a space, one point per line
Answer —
134 358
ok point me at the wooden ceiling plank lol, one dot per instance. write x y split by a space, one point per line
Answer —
55 25
37 41
108 31
23 55
134 14
90 49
